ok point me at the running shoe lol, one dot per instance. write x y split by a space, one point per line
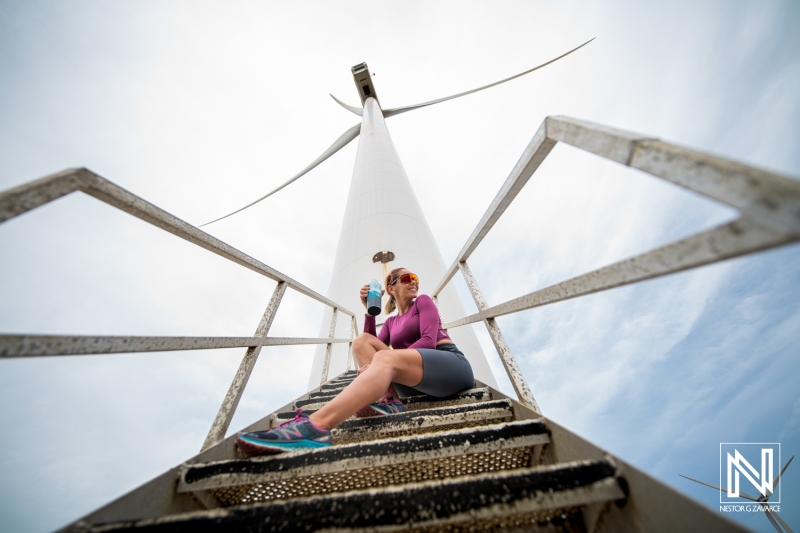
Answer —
386 406
296 434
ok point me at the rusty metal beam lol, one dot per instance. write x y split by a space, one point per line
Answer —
21 199
351 357
738 238
12 346
503 349
771 198
326 363
226 411
769 203
536 151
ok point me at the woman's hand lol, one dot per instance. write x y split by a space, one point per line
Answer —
362 369
363 293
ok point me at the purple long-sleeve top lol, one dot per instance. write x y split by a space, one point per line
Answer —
419 327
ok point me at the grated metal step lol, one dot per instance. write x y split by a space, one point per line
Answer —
423 421
422 401
386 462
544 498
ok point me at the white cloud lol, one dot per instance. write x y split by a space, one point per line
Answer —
200 108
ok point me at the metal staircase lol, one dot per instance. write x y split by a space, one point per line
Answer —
476 461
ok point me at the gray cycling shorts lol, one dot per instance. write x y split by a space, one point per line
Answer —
445 371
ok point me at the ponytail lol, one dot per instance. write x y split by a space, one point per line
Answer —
391 278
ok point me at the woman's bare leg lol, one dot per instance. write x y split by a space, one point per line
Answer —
365 346
386 366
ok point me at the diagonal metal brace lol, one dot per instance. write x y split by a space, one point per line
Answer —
509 362
225 414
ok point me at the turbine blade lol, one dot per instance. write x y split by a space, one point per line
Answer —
340 143
397 110
777 517
778 477
741 494
773 522
353 109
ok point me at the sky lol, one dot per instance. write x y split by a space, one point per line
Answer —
201 107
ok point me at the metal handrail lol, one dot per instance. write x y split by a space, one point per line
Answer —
30 195
23 198
12 346
768 203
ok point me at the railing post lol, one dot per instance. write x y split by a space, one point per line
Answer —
435 299
231 401
328 349
509 362
351 358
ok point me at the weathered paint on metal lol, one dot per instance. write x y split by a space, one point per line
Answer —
413 403
652 507
231 401
769 202
28 196
536 152
361 456
47 345
351 357
737 238
503 349
328 349
770 218
410 420
506 496
771 198
438 308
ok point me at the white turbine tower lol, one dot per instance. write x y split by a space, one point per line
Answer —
384 222
384 227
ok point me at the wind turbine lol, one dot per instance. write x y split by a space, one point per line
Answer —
383 222
762 500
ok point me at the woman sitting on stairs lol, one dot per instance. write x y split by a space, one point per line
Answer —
424 360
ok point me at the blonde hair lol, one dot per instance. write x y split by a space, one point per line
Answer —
391 278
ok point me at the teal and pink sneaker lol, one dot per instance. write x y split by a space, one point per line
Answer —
386 406
296 434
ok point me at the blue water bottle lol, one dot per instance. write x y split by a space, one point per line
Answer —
374 298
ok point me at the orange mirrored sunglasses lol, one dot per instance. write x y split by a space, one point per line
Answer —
407 278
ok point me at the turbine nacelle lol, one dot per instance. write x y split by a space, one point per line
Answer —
366 89
363 80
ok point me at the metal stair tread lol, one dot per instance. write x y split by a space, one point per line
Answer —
421 401
419 420
359 456
530 492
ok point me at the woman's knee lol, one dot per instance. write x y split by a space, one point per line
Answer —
384 357
365 339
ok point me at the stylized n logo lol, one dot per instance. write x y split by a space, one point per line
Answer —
738 464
